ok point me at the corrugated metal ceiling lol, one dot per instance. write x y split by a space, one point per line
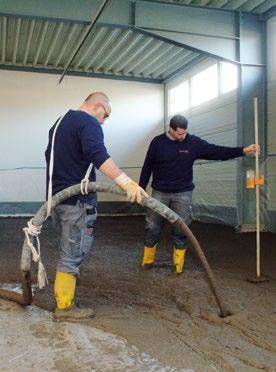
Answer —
252 6
47 45
40 44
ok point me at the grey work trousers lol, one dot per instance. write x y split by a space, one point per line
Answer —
180 203
75 225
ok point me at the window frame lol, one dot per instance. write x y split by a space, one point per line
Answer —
187 76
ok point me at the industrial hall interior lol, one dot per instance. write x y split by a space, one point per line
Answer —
138 185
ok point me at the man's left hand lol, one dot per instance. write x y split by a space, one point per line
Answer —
251 150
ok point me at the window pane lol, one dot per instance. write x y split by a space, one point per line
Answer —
229 77
179 98
205 85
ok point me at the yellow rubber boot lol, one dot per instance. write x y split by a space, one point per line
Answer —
66 310
149 256
64 289
178 259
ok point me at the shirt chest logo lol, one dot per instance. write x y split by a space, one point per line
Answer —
184 151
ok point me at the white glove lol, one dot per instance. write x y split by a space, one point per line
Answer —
133 190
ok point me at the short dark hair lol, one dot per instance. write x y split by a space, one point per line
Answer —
178 121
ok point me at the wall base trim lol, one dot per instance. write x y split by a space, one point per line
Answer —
215 214
17 209
208 214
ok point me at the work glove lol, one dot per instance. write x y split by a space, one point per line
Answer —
133 190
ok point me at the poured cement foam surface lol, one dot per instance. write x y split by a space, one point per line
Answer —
31 341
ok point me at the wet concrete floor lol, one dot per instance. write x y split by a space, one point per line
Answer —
172 320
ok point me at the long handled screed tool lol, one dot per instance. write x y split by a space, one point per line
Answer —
256 182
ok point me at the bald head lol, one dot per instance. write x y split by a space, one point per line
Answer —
97 96
97 104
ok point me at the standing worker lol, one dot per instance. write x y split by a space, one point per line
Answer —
75 141
170 160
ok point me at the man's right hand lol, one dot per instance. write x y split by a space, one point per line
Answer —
251 150
133 190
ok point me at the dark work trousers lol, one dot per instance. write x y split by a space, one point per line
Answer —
180 203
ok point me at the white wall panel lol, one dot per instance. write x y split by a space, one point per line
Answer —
216 181
31 102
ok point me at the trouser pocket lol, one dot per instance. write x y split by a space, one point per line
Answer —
87 233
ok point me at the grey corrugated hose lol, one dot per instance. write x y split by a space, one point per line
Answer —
150 203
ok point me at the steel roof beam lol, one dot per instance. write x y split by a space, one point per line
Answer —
212 31
203 4
216 33
120 12
71 10
252 83
79 73
226 5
